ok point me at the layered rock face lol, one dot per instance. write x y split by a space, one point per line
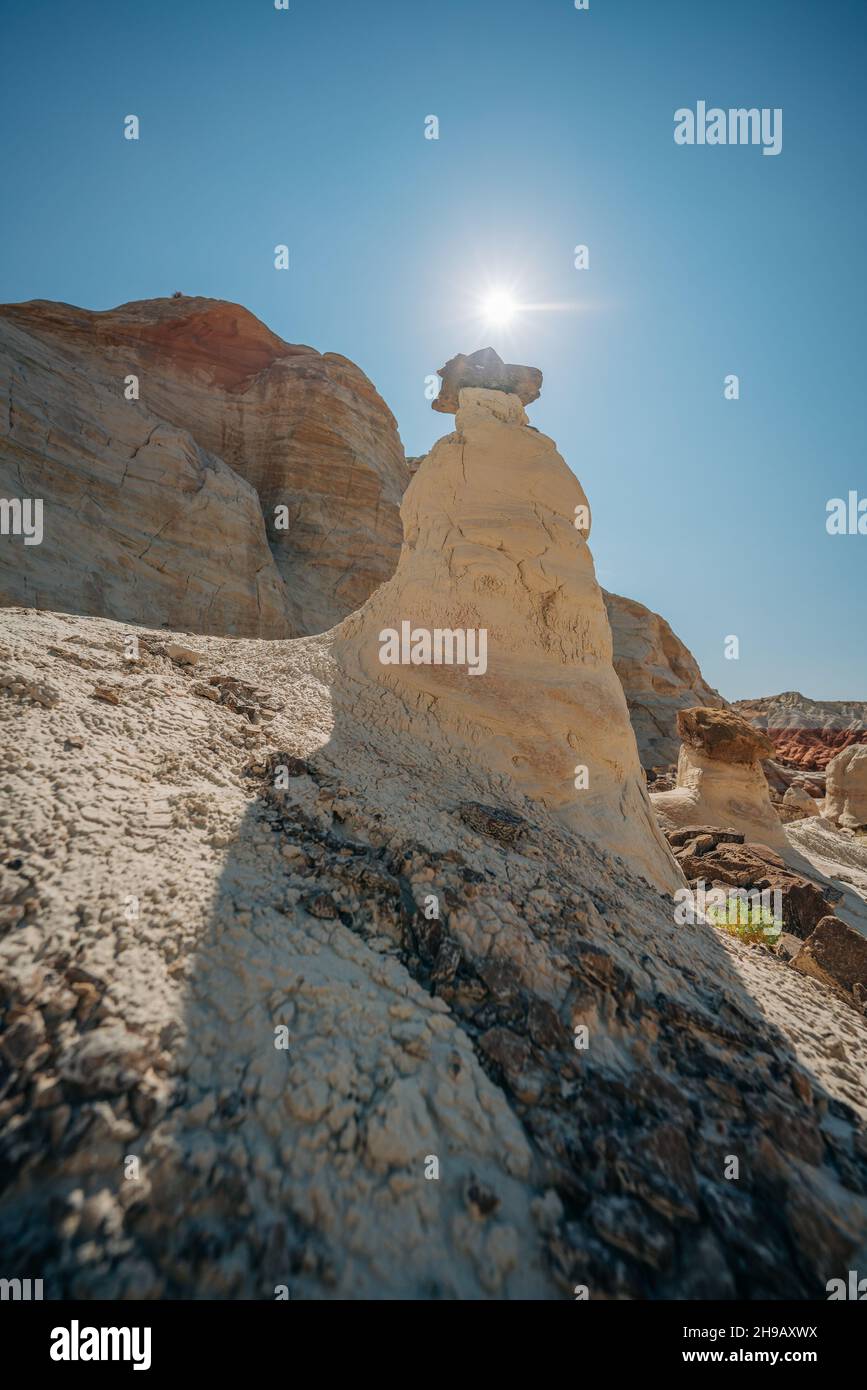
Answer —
139 521
846 788
307 432
807 733
659 675
720 781
491 548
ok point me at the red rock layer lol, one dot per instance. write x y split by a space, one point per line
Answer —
812 749
306 429
807 733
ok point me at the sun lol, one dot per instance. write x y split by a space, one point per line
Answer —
499 308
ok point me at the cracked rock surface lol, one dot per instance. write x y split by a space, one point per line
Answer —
171 898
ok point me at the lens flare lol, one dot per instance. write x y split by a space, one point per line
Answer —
499 308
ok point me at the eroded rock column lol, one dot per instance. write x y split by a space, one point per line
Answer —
495 556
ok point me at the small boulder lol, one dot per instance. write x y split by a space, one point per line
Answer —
182 656
799 799
321 905
499 824
836 954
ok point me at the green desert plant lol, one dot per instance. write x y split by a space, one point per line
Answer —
748 921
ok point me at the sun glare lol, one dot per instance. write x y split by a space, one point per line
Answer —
499 308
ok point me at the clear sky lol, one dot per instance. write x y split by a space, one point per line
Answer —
306 127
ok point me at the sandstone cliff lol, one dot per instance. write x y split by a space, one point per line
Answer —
140 522
659 676
304 431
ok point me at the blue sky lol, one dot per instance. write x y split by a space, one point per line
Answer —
306 127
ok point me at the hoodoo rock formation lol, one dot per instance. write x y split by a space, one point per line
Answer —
846 788
230 422
720 781
659 675
491 548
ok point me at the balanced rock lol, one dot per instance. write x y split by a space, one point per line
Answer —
846 788
722 736
485 369
720 779
492 560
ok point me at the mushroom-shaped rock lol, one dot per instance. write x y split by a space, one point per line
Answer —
719 777
491 642
486 369
846 787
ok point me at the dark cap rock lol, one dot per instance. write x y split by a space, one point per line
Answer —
487 369
723 735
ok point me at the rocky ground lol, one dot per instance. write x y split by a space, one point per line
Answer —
168 907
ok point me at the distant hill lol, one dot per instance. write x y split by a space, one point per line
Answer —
807 733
